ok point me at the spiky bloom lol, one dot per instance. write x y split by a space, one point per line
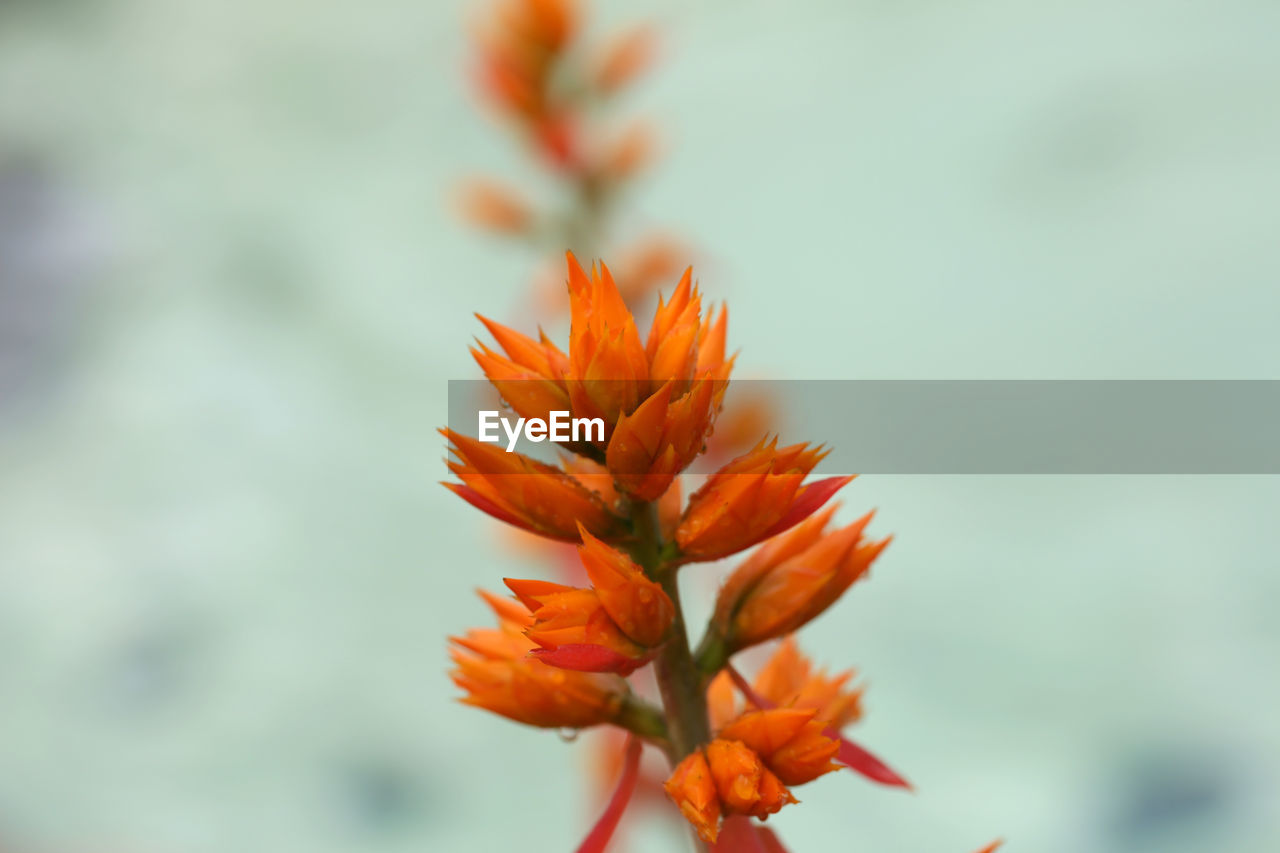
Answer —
529 374
756 496
519 46
726 777
658 399
745 785
573 630
527 493
639 606
790 680
493 667
789 740
791 580
693 790
611 627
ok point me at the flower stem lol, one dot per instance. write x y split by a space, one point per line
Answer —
680 684
684 701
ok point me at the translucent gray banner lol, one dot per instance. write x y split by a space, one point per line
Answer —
994 427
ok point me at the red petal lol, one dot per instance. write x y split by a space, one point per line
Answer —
850 755
859 760
769 840
991 848
589 657
483 504
737 835
811 499
598 838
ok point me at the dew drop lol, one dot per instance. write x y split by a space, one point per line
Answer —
568 735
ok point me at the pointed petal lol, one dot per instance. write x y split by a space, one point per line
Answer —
485 505
859 760
588 657
769 841
598 839
851 755
807 502
738 835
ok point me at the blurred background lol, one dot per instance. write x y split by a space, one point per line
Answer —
232 292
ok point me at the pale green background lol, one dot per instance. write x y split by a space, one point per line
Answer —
226 569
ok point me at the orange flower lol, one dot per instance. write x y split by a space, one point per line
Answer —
693 790
726 777
639 606
609 628
608 370
789 741
531 375
789 680
754 497
659 440
623 59
744 784
493 667
519 45
493 206
627 154
658 400
573 630
527 493
791 580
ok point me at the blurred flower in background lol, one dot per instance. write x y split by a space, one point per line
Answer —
222 585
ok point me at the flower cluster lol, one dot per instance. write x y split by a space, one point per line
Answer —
562 654
612 511
556 87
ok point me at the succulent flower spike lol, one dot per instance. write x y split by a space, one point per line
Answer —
612 627
754 497
527 493
792 580
493 668
560 653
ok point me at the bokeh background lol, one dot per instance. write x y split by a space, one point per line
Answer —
231 295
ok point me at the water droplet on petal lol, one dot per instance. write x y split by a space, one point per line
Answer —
569 735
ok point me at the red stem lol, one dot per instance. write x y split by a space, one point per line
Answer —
598 838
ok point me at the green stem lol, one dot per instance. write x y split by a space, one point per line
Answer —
679 682
713 652
640 718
